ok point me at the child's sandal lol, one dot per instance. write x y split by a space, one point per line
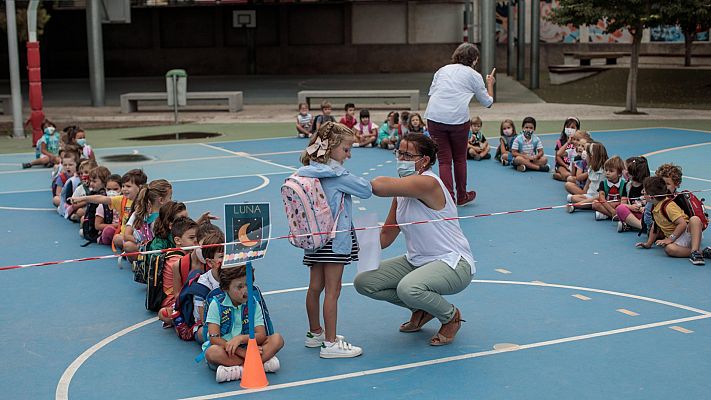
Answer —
416 322
439 339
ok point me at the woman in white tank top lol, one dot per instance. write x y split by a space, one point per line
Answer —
438 261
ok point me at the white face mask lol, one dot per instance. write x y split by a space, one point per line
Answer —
584 156
508 131
569 131
200 257
405 168
49 130
333 163
112 193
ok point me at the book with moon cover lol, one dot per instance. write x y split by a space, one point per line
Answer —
247 229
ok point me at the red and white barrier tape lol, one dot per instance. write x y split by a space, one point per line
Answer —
188 248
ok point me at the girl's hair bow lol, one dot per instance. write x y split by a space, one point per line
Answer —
318 147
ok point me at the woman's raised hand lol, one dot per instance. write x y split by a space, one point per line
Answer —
490 80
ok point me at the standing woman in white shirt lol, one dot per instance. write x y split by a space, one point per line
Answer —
447 115
439 259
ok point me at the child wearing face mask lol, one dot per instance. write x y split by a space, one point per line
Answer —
563 147
596 155
146 207
75 211
86 150
107 221
46 148
527 149
503 152
578 166
323 159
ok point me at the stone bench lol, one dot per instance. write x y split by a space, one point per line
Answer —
585 58
305 96
129 101
6 104
561 74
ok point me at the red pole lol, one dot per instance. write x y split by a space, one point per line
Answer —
35 79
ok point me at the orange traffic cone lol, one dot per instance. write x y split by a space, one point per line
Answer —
253 376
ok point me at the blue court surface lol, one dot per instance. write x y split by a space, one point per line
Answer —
561 306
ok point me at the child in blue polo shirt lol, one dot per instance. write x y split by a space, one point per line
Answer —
527 149
226 321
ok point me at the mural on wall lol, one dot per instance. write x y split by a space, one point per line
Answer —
673 34
552 33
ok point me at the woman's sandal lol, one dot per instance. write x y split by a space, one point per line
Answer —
439 339
417 321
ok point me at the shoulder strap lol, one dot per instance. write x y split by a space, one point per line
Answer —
663 208
185 267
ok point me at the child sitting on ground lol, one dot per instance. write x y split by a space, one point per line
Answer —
595 154
122 203
107 222
66 181
672 175
563 148
303 121
503 152
76 210
527 149
611 191
139 228
404 123
226 350
630 213
211 257
325 116
389 133
366 131
477 146
46 148
575 183
416 125
681 235
184 232
194 261
86 150
349 118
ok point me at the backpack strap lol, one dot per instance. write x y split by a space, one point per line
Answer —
665 203
184 268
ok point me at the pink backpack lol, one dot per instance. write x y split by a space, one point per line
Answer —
307 211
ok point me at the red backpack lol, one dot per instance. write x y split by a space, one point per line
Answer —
690 205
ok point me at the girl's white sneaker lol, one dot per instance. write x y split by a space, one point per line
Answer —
314 340
339 349
225 374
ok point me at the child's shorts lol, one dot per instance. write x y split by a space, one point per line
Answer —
685 239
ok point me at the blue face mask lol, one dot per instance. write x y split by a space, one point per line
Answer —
405 168
49 130
81 142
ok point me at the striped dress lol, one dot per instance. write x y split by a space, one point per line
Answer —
326 255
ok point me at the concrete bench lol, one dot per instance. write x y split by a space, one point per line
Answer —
585 58
561 74
305 96
129 101
6 104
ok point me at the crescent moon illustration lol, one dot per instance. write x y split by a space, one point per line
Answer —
244 239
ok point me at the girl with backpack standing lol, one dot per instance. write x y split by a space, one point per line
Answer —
323 159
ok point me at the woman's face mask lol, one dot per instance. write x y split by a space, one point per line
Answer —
406 168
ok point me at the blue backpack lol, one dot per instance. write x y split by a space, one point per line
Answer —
227 317
184 303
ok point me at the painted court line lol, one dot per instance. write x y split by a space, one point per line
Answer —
502 271
62 392
245 155
444 360
628 312
265 182
680 329
581 297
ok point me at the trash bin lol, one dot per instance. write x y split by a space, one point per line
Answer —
176 83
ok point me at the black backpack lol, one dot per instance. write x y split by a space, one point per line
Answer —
154 279
88 226
323 119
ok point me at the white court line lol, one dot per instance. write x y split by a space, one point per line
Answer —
276 153
265 182
688 146
26 209
246 155
62 392
443 360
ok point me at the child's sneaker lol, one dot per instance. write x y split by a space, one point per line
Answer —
622 227
391 147
570 208
26 165
521 168
569 198
314 340
226 374
707 252
504 162
696 258
301 135
271 365
600 216
615 218
544 168
369 145
339 349
356 144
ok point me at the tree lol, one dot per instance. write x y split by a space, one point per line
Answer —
634 15
21 21
691 16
